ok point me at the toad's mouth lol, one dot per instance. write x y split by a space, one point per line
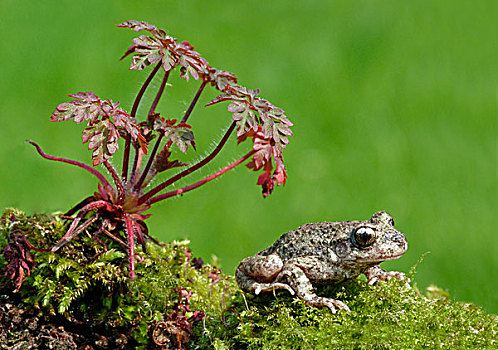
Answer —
380 258
385 257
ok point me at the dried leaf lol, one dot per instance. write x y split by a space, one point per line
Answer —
19 259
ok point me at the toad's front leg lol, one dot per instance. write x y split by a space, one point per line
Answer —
301 284
259 273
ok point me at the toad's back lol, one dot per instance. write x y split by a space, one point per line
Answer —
315 239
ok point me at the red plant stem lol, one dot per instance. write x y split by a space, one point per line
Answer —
69 234
140 236
142 90
80 205
189 110
68 237
131 244
117 181
200 183
30 246
194 101
135 165
126 157
88 168
149 119
158 96
190 170
149 163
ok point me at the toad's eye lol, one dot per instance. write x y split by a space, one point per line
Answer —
363 237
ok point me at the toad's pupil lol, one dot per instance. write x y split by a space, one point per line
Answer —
364 236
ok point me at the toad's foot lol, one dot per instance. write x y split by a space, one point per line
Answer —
375 274
329 302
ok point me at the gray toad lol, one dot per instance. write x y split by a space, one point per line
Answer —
325 252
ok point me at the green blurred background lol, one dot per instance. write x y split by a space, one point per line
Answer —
394 105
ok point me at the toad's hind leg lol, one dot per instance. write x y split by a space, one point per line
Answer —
301 284
257 274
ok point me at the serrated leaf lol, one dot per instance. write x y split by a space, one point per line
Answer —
182 138
192 63
181 135
162 162
220 98
102 138
262 159
246 121
139 26
221 79
105 122
147 50
85 107
169 60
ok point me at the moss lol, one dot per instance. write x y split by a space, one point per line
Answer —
85 285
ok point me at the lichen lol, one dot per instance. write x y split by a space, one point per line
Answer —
87 291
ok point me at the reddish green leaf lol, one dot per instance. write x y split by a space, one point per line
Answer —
105 122
180 134
85 107
191 61
138 26
262 159
162 162
221 79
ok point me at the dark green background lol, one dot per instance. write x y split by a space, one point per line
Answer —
394 105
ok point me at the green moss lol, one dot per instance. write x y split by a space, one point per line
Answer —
83 286
84 283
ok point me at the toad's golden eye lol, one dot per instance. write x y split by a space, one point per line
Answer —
363 237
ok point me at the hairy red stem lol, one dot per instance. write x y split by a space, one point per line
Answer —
149 117
142 90
80 205
194 101
135 165
131 244
201 182
158 96
69 234
190 170
126 157
117 181
189 110
88 168
149 163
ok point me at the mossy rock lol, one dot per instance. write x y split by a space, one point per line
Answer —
82 296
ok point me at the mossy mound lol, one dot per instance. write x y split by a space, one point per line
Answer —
83 297
84 292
